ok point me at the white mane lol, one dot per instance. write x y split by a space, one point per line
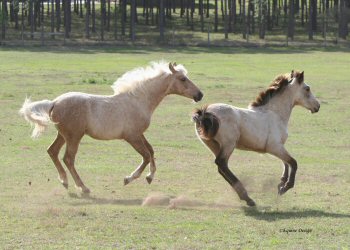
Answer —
138 78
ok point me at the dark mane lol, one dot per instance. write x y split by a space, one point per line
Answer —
277 86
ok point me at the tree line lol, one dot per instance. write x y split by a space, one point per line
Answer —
129 19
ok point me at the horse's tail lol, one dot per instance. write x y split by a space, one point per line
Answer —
207 123
37 113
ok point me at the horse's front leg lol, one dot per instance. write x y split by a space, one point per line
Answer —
138 144
288 160
152 167
284 177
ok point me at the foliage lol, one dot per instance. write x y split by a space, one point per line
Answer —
37 212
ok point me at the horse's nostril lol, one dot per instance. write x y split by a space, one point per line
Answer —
199 96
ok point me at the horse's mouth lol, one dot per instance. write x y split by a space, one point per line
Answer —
315 110
198 97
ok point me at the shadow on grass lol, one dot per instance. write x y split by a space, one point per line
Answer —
86 199
285 215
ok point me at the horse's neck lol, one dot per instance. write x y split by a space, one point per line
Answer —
154 93
282 105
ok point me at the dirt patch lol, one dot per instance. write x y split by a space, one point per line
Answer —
183 201
156 200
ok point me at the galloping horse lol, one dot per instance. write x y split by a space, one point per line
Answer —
261 128
124 115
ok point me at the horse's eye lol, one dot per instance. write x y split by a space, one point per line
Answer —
183 79
307 88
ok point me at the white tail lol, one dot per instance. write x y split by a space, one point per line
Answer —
37 113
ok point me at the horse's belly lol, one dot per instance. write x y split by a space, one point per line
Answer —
251 145
104 132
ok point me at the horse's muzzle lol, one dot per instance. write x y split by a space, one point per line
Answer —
198 97
315 110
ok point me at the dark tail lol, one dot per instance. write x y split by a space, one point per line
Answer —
207 124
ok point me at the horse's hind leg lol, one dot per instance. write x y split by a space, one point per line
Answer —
222 162
138 144
69 159
233 180
53 151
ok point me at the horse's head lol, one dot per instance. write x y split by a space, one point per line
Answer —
181 85
303 94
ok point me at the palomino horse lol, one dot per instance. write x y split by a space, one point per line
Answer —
261 128
124 115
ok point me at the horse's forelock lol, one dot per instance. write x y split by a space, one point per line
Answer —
181 68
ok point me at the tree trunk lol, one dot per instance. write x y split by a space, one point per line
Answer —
58 15
310 20
108 15
52 18
93 17
31 15
161 19
115 20
343 30
302 12
81 9
132 19
103 18
262 19
313 17
87 19
225 19
291 20
67 19
216 22
3 21
123 16
208 8
201 14
244 20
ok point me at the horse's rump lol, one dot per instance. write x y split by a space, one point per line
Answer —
207 123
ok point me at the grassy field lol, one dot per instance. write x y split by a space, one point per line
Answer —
37 212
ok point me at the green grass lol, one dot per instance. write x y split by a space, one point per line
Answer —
37 212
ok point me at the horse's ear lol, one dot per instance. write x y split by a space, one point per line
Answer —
175 64
292 74
171 67
301 77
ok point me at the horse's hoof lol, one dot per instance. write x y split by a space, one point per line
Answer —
149 179
126 181
251 203
65 185
63 181
282 190
85 190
